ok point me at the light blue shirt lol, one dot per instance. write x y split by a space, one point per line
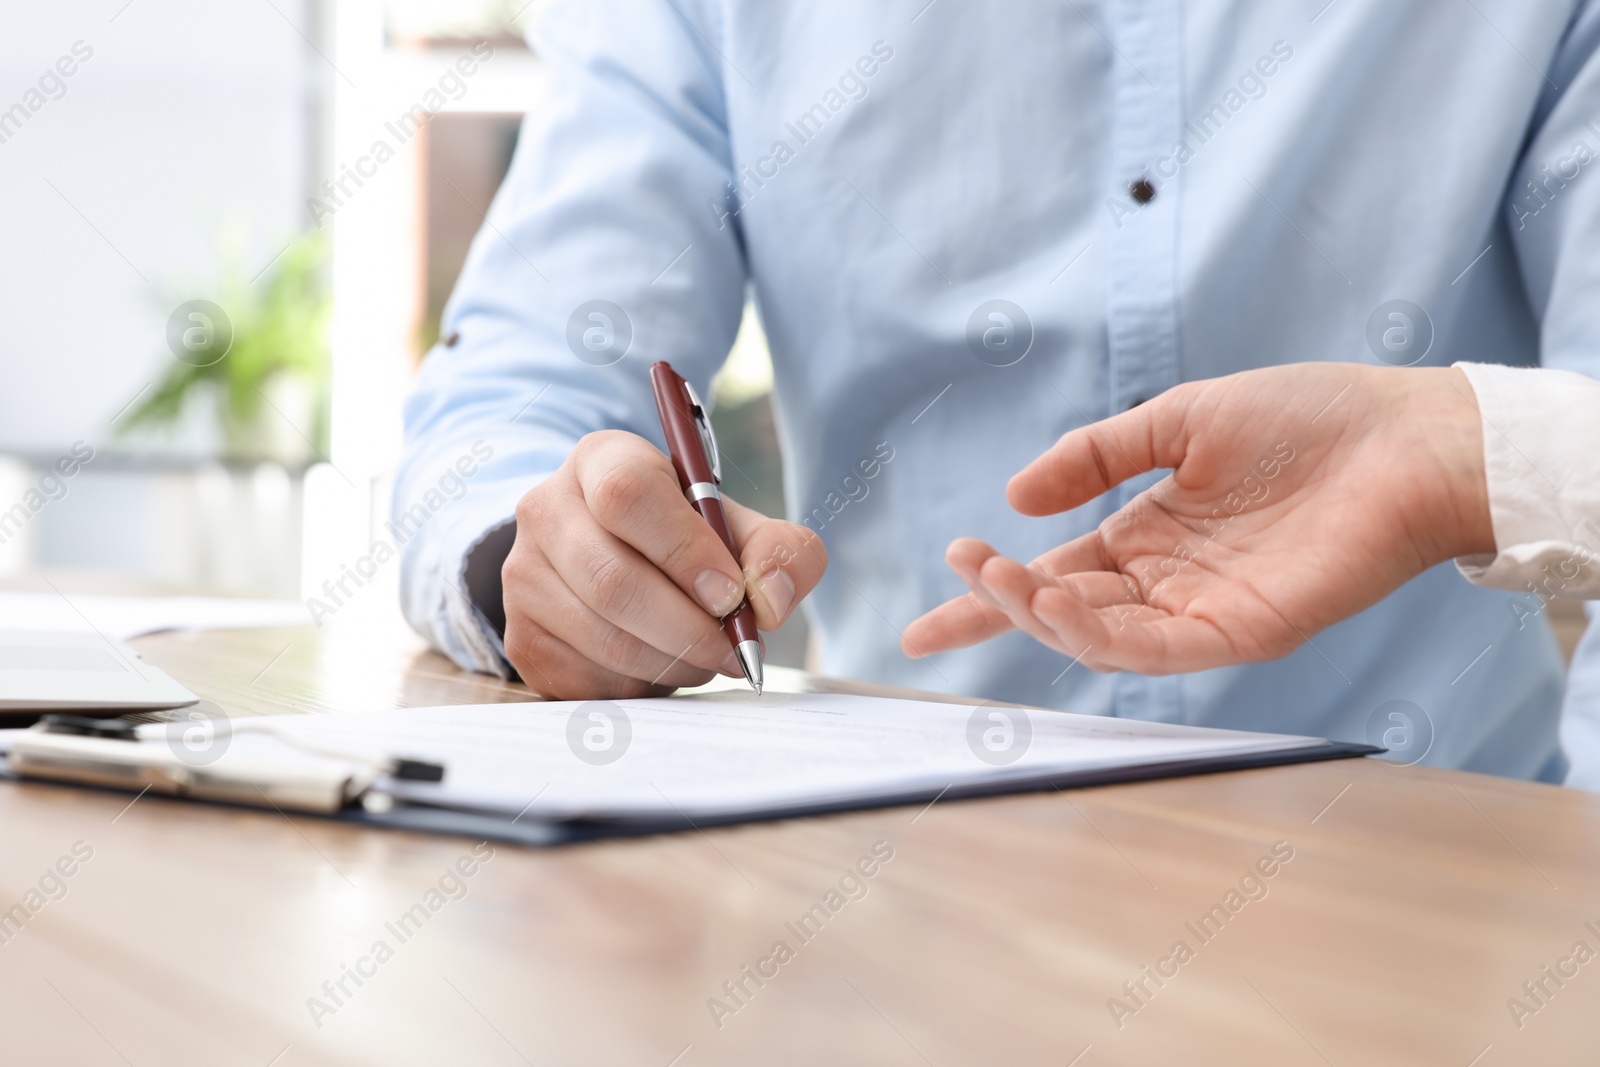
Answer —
934 206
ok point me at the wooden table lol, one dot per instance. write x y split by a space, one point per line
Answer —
1416 903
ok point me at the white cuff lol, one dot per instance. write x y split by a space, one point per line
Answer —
1541 452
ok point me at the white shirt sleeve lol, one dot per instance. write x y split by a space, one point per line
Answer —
1541 451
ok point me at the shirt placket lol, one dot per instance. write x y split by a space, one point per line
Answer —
1142 219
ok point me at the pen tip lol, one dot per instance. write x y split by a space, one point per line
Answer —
750 660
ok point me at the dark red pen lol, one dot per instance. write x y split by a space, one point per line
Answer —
693 447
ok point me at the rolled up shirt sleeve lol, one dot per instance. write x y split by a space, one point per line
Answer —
1541 450
598 256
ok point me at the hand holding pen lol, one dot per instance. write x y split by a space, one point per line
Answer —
616 585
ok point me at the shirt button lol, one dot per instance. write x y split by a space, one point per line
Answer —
453 340
1142 191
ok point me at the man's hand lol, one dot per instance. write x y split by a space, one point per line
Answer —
615 585
1299 495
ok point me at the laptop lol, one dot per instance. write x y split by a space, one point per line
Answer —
42 672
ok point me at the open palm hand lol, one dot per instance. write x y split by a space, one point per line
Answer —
1299 495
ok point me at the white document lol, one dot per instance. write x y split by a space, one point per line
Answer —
124 617
729 753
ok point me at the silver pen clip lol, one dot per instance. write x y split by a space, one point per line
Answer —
708 437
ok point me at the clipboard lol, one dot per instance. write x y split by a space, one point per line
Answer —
119 756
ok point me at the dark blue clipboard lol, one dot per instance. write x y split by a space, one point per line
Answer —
422 818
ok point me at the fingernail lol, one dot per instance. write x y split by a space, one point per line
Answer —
778 589
717 592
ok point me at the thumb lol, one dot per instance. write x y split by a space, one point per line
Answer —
1094 459
782 562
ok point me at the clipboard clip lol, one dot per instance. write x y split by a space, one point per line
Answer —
125 755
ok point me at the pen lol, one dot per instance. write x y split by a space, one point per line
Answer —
693 448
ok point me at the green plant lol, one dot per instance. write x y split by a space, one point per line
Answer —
276 326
